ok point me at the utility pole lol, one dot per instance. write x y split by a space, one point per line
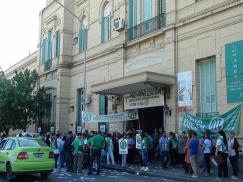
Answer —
85 57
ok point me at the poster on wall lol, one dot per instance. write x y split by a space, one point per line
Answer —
184 91
144 99
234 71
123 146
228 122
103 128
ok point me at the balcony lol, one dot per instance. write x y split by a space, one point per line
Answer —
147 27
47 65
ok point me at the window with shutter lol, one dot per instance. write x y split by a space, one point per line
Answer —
208 91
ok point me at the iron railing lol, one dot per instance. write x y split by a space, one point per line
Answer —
206 115
147 27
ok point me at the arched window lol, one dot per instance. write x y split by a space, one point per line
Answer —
106 23
83 35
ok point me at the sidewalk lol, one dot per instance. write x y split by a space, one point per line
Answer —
177 174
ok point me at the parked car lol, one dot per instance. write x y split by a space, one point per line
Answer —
25 155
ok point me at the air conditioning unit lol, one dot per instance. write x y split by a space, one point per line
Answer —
119 24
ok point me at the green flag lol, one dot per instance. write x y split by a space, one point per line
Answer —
227 122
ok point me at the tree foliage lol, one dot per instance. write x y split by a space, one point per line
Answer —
21 102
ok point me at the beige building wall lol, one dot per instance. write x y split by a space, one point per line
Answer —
193 31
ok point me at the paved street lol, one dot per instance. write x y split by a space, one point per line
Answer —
106 176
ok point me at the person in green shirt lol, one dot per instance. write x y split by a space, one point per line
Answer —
145 151
173 149
109 150
77 154
96 148
41 138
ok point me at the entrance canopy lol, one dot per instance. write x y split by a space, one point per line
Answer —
133 83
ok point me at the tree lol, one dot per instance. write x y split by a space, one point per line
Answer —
7 110
21 102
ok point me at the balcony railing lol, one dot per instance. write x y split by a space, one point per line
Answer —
147 27
206 115
47 66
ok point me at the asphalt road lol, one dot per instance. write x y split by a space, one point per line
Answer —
105 176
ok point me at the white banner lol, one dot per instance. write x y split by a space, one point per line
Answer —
123 146
143 99
125 116
185 90
138 141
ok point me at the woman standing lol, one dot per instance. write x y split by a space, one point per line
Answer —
207 147
222 154
188 168
233 148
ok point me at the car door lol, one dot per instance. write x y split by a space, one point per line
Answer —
2 162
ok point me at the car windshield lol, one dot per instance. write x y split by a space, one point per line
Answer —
30 143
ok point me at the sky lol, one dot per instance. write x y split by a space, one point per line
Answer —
19 27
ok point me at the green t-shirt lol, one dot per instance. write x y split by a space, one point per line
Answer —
98 142
145 143
174 143
76 145
90 141
41 138
107 142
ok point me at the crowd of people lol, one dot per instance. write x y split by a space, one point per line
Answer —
88 150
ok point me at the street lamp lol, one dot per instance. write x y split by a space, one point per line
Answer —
85 54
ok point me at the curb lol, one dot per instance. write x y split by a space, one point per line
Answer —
161 175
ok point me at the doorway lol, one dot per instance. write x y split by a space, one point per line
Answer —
151 118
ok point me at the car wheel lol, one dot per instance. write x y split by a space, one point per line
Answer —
44 175
9 172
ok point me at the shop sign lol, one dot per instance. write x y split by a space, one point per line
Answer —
234 71
123 146
124 116
227 122
184 91
138 141
144 99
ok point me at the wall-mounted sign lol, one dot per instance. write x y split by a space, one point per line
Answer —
79 129
184 91
103 128
234 71
144 99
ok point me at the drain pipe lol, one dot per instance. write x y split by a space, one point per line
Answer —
176 65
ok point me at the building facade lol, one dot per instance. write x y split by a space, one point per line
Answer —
136 66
